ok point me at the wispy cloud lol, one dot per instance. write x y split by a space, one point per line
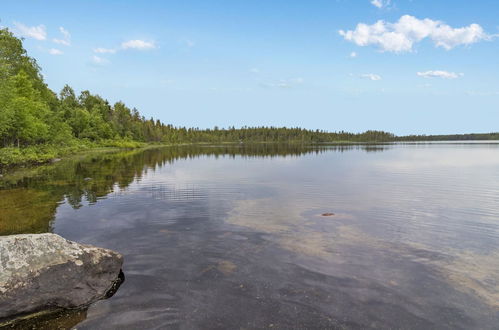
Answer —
380 3
104 50
401 36
138 44
130 44
36 32
370 76
440 74
353 55
55 51
66 37
99 60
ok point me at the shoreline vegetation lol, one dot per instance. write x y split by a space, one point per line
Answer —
39 126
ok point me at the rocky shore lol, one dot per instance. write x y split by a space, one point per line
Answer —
44 273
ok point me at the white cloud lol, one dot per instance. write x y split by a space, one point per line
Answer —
36 32
401 36
370 76
440 74
66 40
104 50
138 44
99 60
255 70
62 42
55 51
65 32
130 44
190 43
380 3
353 55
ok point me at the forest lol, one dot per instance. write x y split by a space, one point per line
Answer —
451 137
37 124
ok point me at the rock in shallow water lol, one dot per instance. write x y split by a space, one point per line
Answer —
45 272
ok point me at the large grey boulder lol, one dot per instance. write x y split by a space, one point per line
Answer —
47 272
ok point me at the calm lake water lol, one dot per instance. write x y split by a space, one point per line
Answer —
234 237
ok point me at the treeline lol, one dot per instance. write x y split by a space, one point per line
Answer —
271 134
32 114
451 137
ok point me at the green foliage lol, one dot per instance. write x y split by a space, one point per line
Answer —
121 143
37 153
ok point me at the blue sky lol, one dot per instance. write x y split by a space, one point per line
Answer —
425 67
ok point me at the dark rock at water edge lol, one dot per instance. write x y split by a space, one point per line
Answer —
47 320
45 272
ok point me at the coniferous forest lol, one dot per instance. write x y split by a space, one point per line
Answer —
37 124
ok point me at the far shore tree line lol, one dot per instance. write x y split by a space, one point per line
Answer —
32 114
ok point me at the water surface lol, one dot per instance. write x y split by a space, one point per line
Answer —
234 237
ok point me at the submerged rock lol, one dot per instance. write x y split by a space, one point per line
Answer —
47 272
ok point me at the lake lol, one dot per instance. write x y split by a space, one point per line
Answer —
282 237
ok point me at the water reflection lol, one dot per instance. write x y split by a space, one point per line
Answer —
29 198
235 237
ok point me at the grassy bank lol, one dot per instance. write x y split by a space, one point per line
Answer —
44 153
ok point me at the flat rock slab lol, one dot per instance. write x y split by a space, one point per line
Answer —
45 271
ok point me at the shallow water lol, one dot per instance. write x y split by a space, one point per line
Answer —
234 237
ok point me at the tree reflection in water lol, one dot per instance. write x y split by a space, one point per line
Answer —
29 198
